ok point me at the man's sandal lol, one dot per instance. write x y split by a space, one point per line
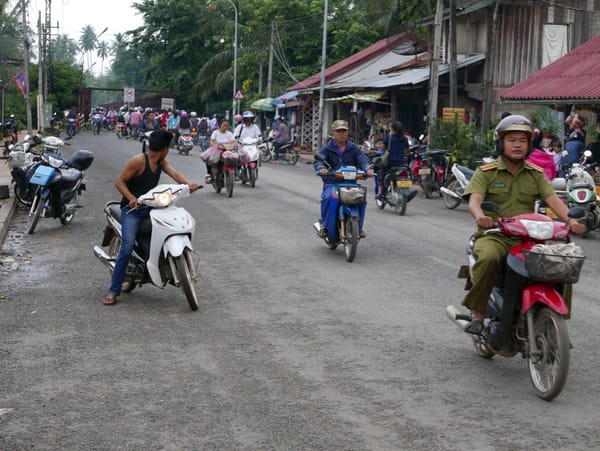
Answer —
474 327
109 300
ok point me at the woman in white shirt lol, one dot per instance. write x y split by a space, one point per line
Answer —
220 136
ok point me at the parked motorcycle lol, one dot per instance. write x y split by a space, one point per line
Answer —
22 159
248 172
396 191
163 252
581 191
9 134
351 196
454 187
528 305
185 144
433 169
58 183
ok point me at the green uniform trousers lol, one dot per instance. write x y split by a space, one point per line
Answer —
491 251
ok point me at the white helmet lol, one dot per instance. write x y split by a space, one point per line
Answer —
193 114
248 114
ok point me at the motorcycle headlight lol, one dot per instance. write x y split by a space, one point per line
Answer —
539 230
54 162
349 175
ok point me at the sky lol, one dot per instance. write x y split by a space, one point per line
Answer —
72 15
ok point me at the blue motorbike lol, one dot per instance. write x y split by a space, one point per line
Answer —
348 202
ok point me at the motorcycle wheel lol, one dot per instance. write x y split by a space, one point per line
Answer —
23 200
351 242
291 157
451 202
427 185
185 277
66 218
266 154
548 371
400 207
217 183
229 182
380 203
113 250
253 176
37 206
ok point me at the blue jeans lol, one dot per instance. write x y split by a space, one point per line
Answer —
130 225
330 204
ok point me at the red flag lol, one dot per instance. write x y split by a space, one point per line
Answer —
20 81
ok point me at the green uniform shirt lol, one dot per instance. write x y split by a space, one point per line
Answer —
514 194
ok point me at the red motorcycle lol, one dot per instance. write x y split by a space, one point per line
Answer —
530 301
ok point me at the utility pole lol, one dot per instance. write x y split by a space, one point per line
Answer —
26 65
40 99
434 78
322 84
452 51
270 69
486 114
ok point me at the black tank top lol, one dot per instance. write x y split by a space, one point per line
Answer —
143 182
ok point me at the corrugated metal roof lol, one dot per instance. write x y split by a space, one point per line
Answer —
406 77
573 78
361 58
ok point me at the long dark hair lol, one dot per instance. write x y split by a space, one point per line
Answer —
399 131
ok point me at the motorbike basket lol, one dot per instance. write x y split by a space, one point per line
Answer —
552 265
352 196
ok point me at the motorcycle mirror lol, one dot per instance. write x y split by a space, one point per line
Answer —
319 157
490 206
587 153
577 212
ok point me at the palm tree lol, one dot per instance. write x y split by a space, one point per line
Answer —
87 42
102 51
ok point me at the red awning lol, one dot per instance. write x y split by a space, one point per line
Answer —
573 78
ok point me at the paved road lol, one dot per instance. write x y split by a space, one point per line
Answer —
292 347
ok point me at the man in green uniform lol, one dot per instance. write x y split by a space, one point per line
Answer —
514 184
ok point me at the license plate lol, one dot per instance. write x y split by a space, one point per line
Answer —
403 183
425 171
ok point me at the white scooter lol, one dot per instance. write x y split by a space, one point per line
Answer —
248 173
163 249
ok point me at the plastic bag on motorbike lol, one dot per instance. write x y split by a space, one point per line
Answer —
231 158
554 263
243 156
352 196
212 155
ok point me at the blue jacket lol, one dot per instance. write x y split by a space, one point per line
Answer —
352 156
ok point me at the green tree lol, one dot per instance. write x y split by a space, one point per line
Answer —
130 64
64 49
66 82
87 42
11 32
102 51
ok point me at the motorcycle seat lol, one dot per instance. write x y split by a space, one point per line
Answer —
114 209
465 170
70 176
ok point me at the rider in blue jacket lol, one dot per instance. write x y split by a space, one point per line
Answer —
338 152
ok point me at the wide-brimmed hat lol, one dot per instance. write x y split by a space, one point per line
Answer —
339 125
